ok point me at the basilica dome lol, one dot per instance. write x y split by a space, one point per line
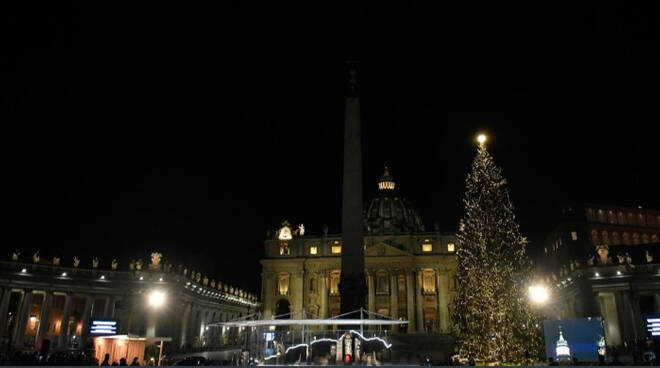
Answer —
390 214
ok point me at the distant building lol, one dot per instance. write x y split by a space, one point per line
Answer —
410 272
40 300
562 350
604 260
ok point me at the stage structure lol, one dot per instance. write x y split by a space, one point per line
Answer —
359 336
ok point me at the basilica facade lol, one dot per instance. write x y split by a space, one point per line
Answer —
410 272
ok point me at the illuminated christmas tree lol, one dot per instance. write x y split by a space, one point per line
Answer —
492 318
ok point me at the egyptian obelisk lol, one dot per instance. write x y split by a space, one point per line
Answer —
352 286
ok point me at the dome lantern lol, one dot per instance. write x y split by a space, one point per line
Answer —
390 214
386 181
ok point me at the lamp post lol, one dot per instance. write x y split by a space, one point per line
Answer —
156 300
539 295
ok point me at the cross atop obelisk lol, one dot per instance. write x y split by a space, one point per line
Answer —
352 285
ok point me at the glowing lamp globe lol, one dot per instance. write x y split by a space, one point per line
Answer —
538 294
481 138
156 298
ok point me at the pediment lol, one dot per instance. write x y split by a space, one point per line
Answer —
384 250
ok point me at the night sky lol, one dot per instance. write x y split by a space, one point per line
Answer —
189 129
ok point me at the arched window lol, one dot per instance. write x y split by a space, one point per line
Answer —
621 218
635 238
401 284
615 238
650 220
645 238
642 221
601 216
334 282
631 219
626 238
590 214
594 237
606 237
654 238
381 282
610 217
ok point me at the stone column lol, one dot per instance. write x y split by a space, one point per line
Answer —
44 316
86 317
419 301
22 318
394 301
298 295
656 303
109 307
4 309
625 316
443 301
63 339
637 323
187 310
410 300
372 293
268 289
323 313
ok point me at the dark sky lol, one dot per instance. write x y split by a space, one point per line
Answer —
190 129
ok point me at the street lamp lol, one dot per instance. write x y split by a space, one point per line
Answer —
156 298
539 294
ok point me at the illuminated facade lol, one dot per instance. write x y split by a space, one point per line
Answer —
36 297
604 261
562 350
410 272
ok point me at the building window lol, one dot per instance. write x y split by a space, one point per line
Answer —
626 238
590 214
631 219
654 238
615 238
401 285
601 216
334 282
645 239
336 249
635 238
574 235
450 247
284 249
283 284
621 218
594 237
610 217
313 250
427 247
428 281
381 283
641 220
606 237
